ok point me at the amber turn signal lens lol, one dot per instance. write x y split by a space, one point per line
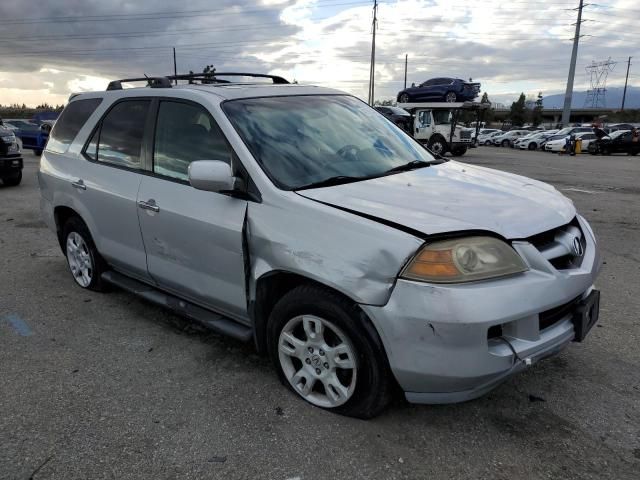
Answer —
423 269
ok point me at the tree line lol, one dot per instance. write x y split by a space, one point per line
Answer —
15 110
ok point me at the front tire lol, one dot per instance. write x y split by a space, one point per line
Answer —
532 146
438 145
85 263
328 352
506 143
13 181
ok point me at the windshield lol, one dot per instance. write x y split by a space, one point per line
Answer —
302 140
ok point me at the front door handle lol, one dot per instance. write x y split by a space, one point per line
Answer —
79 184
149 205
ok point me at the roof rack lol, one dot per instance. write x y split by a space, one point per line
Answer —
153 82
165 82
212 77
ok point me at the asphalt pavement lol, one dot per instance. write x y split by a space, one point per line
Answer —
99 386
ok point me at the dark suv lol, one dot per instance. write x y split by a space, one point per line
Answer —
396 115
10 158
441 89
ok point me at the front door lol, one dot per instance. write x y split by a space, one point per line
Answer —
193 238
422 124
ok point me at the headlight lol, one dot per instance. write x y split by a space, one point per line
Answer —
9 138
463 260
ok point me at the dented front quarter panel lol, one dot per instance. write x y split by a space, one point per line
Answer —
359 257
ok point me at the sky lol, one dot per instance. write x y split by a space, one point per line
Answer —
53 48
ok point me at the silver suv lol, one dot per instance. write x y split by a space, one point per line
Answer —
299 218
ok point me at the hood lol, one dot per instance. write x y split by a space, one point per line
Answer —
453 197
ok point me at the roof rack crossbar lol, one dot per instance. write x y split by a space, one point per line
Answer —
212 77
153 82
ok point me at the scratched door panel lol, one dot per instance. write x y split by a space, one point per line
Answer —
194 243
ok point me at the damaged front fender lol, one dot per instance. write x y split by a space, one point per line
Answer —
358 257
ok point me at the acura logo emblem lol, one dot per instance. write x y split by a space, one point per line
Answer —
577 247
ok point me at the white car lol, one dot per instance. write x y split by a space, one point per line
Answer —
532 142
507 138
486 139
558 145
586 138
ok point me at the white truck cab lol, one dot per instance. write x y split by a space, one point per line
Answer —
435 125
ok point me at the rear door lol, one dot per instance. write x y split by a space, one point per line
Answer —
193 238
108 183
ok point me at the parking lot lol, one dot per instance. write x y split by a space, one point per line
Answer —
108 386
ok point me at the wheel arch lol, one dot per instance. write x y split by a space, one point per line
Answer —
270 288
61 215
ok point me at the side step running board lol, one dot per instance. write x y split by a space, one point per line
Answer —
209 319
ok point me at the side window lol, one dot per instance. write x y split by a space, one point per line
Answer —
120 140
92 148
185 133
70 122
424 118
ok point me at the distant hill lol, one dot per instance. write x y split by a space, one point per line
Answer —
613 98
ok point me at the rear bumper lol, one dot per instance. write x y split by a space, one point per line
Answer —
438 338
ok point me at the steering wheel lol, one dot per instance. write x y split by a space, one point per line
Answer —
348 151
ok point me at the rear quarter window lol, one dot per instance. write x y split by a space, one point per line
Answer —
71 120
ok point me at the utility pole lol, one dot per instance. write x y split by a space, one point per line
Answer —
372 70
406 57
175 68
566 111
626 80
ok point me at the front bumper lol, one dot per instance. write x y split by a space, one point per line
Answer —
10 164
438 338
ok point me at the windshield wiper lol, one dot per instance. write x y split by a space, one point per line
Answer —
412 165
331 181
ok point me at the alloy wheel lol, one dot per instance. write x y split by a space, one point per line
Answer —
79 259
318 360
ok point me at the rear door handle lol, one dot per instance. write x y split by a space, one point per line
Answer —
149 205
79 184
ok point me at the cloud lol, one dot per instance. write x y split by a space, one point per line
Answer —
521 45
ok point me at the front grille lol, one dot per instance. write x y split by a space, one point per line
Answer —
550 317
560 245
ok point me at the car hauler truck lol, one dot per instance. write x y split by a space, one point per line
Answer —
436 125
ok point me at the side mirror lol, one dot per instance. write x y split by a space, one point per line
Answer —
211 175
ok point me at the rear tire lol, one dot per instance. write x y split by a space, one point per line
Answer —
450 97
13 181
404 98
307 328
458 152
85 263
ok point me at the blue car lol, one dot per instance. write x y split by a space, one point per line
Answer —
440 89
33 136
